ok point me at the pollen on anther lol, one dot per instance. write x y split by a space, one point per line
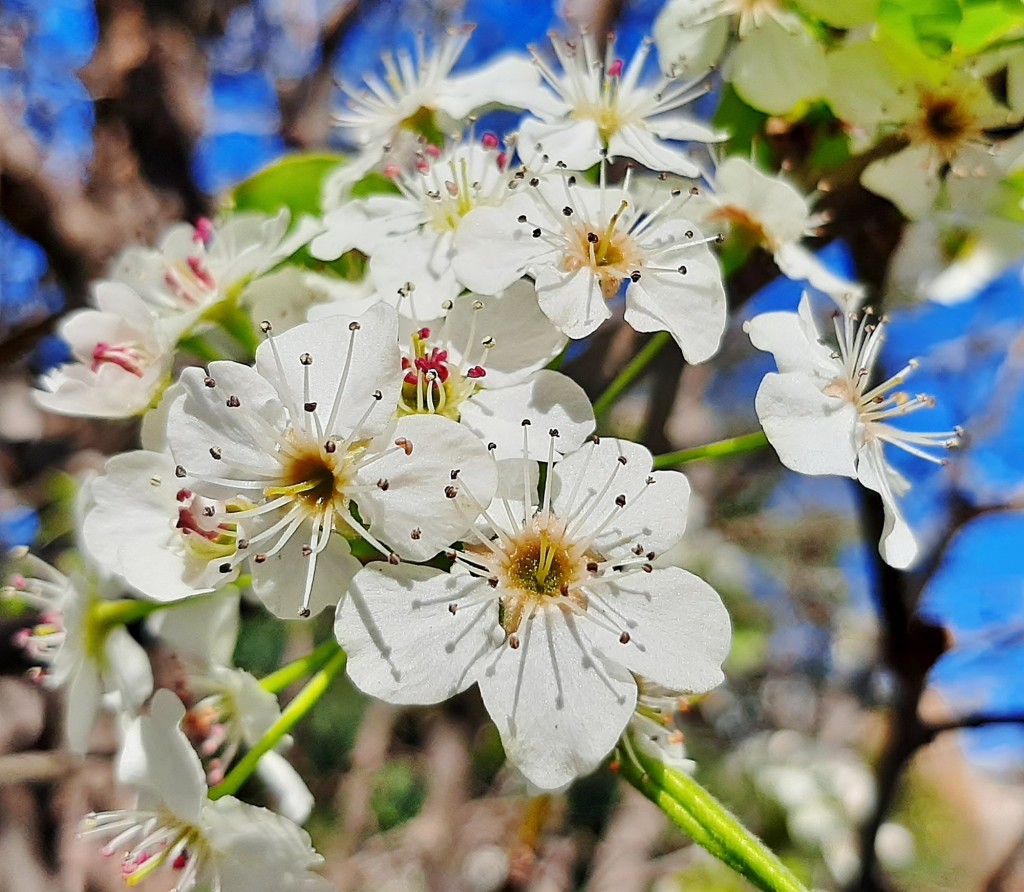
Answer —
233 402
620 500
394 559
450 492
309 407
624 638
330 447
404 444
592 566
215 453
209 382
179 471
383 484
225 568
453 608
354 326
416 533
304 613
513 642
306 359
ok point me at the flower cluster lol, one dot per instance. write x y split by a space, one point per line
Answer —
365 410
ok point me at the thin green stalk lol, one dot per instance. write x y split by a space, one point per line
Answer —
200 348
720 449
624 379
300 668
291 715
689 804
631 771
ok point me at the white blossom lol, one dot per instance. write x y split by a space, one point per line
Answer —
420 92
551 611
825 414
220 844
768 211
307 435
74 650
581 244
410 237
484 368
599 107
122 356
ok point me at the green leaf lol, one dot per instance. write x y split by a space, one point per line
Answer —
986 21
293 182
929 25
744 123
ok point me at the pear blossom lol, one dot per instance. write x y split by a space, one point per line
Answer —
162 539
419 92
73 649
410 237
581 244
476 371
196 267
226 708
221 844
552 610
691 35
768 211
599 107
824 414
122 358
939 112
305 437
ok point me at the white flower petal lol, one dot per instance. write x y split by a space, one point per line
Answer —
404 645
589 481
279 580
761 81
493 249
909 179
558 710
576 143
524 338
692 308
641 144
679 630
573 302
157 756
415 500
374 365
547 399
811 432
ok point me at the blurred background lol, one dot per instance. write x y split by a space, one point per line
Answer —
864 709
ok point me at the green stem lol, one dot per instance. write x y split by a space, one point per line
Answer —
304 701
236 322
300 668
110 614
624 379
692 807
198 346
719 449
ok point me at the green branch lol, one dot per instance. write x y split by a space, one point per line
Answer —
291 715
720 449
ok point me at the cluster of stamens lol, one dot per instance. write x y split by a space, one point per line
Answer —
860 338
605 90
537 560
433 384
617 245
156 839
190 280
448 186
